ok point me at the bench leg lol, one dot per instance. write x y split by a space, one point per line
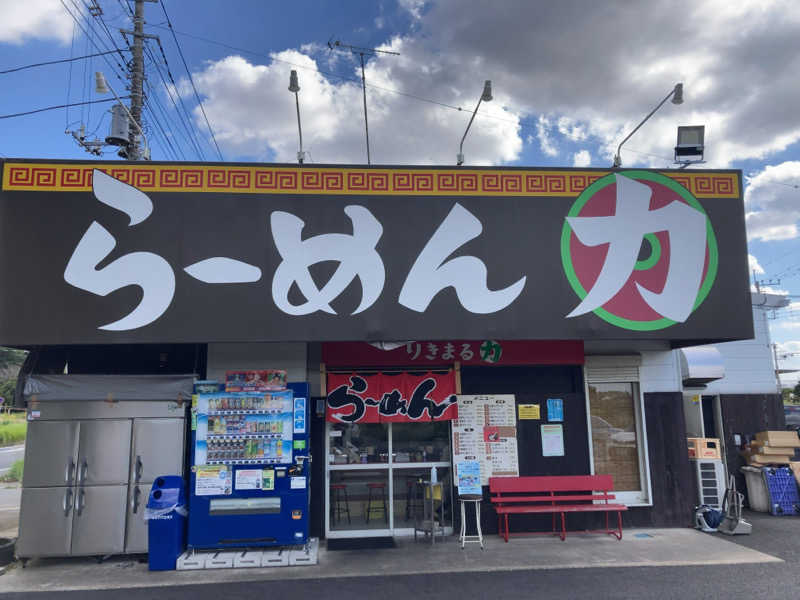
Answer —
619 523
554 522
506 519
563 527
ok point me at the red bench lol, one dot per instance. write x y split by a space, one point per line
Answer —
557 495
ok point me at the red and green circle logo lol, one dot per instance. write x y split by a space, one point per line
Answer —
583 264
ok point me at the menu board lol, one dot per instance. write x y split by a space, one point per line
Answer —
486 431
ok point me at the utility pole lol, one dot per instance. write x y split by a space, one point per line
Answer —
137 77
361 52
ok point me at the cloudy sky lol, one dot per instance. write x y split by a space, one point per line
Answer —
570 79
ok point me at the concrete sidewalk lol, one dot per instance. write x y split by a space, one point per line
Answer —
639 548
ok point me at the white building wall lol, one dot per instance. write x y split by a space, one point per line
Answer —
659 368
749 364
660 371
237 356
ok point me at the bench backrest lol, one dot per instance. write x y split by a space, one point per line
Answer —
551 488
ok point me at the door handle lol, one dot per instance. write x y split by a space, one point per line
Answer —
137 492
80 502
67 501
69 470
84 470
138 469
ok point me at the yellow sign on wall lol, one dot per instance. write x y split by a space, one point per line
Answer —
529 411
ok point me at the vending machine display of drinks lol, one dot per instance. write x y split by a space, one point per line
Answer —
250 469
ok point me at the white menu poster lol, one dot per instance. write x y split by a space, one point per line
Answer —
486 431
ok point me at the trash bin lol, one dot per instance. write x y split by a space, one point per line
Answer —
166 522
757 494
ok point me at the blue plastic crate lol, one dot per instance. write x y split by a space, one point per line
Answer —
782 489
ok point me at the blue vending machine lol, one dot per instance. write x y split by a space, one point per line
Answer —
251 469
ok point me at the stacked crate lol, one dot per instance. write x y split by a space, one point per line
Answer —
707 461
772 448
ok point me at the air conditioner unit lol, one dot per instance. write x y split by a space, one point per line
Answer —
710 482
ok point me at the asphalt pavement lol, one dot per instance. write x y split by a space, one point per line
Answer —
778 577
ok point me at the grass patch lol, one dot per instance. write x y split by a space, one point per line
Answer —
14 473
13 429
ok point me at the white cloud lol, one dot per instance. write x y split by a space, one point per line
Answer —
414 7
754 266
42 19
772 198
581 159
571 129
609 63
252 113
545 139
578 71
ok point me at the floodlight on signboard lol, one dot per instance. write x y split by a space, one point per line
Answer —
691 144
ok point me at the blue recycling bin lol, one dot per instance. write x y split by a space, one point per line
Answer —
166 522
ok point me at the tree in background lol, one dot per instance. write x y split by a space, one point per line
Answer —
795 394
788 395
10 362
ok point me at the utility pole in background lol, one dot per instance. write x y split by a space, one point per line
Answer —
137 77
361 52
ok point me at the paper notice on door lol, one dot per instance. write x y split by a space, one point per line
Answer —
552 440
212 480
529 411
248 479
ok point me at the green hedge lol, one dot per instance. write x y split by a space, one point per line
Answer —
15 472
12 430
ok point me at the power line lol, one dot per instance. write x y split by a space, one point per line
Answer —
69 79
327 73
88 36
184 117
191 80
342 77
38 110
151 100
55 62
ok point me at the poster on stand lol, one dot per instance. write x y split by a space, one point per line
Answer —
469 477
485 432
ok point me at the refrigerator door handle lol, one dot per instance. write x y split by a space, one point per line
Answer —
67 501
137 492
80 501
69 471
138 470
84 471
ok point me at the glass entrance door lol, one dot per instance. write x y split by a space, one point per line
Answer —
371 472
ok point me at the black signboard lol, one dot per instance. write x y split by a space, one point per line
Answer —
178 252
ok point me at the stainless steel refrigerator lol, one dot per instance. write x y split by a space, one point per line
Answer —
95 444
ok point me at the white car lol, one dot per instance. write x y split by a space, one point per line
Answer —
615 434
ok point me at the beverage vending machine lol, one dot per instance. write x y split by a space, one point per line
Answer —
250 469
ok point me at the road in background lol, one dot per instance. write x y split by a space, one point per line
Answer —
9 455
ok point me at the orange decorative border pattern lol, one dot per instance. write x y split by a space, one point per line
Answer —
43 177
